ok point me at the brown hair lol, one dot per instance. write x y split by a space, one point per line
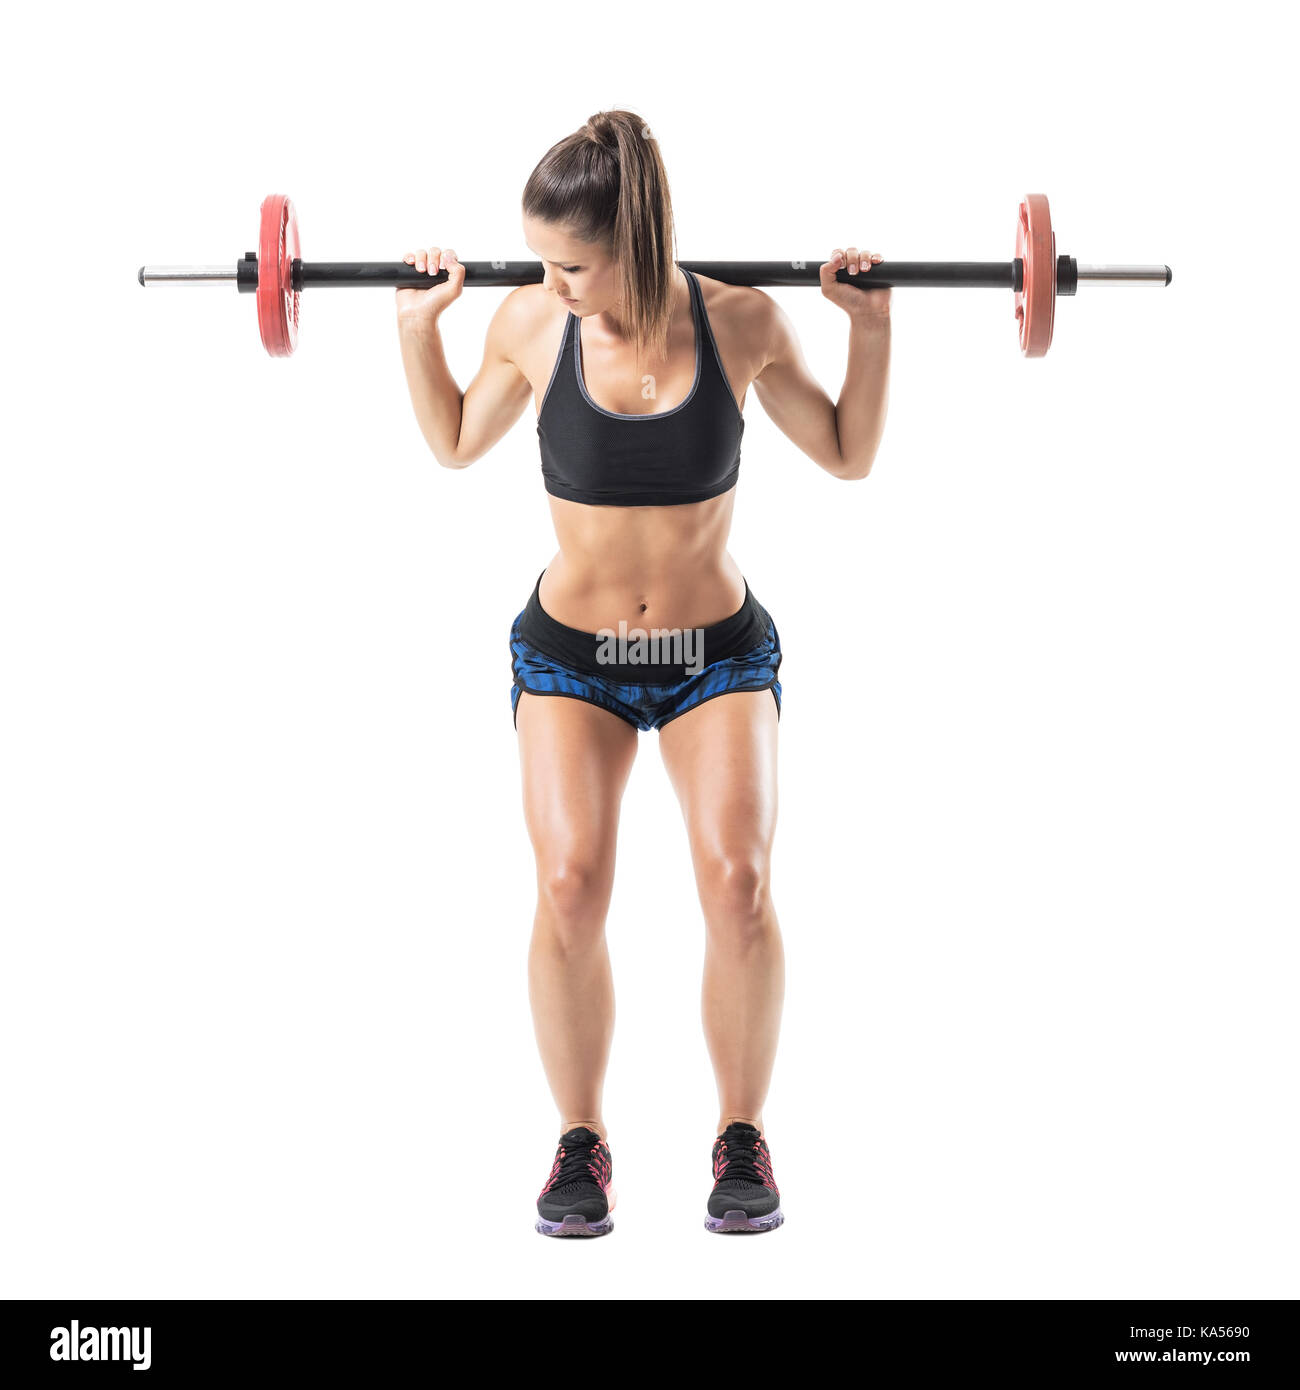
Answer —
606 183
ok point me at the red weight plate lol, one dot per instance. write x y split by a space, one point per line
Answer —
1036 302
277 300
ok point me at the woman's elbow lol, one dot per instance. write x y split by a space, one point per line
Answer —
852 470
455 458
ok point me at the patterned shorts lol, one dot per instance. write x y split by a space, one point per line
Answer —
646 678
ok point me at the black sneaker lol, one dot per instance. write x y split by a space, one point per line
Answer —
577 1198
745 1195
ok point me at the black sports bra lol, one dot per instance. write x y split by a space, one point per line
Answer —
687 454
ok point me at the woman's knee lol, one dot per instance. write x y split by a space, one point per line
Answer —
574 889
735 888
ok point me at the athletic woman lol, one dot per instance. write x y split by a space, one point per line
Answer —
638 371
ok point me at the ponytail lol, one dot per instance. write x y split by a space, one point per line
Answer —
606 183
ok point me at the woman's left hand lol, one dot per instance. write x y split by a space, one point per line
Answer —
857 303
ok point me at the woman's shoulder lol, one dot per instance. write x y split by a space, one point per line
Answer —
528 309
738 314
528 320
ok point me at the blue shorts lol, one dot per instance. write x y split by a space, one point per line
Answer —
648 677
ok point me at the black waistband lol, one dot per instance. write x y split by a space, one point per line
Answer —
629 662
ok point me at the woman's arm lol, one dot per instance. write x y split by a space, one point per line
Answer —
458 426
462 426
842 436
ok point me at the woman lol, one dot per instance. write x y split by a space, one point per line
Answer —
638 371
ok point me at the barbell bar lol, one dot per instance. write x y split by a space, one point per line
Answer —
277 275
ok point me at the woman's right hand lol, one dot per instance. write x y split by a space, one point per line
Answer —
424 306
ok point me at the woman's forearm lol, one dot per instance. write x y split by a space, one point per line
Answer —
434 393
864 397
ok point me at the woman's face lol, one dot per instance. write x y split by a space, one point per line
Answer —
580 274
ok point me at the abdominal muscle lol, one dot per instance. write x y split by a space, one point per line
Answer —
665 567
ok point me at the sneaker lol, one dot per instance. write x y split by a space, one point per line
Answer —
577 1198
745 1195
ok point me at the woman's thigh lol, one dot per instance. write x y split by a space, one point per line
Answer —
721 760
575 759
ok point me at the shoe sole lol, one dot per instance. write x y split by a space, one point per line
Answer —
737 1223
574 1225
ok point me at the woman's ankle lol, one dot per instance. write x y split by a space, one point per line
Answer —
755 1120
596 1126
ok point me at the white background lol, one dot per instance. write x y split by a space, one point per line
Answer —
266 885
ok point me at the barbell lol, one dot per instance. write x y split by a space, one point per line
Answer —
277 275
